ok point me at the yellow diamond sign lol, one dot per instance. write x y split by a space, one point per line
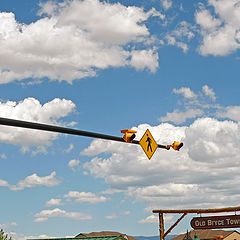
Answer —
148 144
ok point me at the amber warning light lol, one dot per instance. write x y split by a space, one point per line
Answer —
176 146
129 135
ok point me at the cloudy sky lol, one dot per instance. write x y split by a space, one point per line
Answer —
168 66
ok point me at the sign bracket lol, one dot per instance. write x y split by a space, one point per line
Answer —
185 212
174 225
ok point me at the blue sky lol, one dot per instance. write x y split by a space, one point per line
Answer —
168 66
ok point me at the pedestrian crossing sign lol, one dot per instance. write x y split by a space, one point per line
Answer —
148 144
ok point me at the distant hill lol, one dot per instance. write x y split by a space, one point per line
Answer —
154 237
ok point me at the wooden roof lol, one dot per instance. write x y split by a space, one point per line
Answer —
205 234
114 237
105 233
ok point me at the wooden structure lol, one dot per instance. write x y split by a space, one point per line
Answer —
209 234
184 212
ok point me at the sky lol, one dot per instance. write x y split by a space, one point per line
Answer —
102 66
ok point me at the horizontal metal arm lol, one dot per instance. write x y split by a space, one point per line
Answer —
51 128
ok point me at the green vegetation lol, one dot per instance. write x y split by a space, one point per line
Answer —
4 236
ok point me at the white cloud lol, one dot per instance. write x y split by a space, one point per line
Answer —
185 92
171 40
193 105
70 148
172 190
213 141
155 219
181 35
18 236
166 4
145 59
54 202
7 225
85 197
179 117
219 29
111 191
150 219
42 236
3 183
74 164
74 40
206 20
125 213
59 213
113 216
3 156
34 180
209 92
204 173
231 112
30 109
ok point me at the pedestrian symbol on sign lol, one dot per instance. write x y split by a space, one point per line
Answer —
148 144
149 140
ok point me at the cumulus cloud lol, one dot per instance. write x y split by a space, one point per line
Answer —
230 112
70 148
4 183
74 164
59 213
155 219
171 40
54 202
125 213
215 144
204 173
185 92
30 109
206 20
85 197
209 92
74 39
166 4
32 181
144 59
3 156
179 117
193 105
7 225
181 35
150 219
219 28
20 236
113 216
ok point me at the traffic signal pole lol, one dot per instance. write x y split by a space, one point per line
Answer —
51 128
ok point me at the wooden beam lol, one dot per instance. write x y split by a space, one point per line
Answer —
174 225
198 211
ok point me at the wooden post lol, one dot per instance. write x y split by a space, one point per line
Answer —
161 226
185 212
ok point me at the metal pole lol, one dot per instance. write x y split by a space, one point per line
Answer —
51 128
